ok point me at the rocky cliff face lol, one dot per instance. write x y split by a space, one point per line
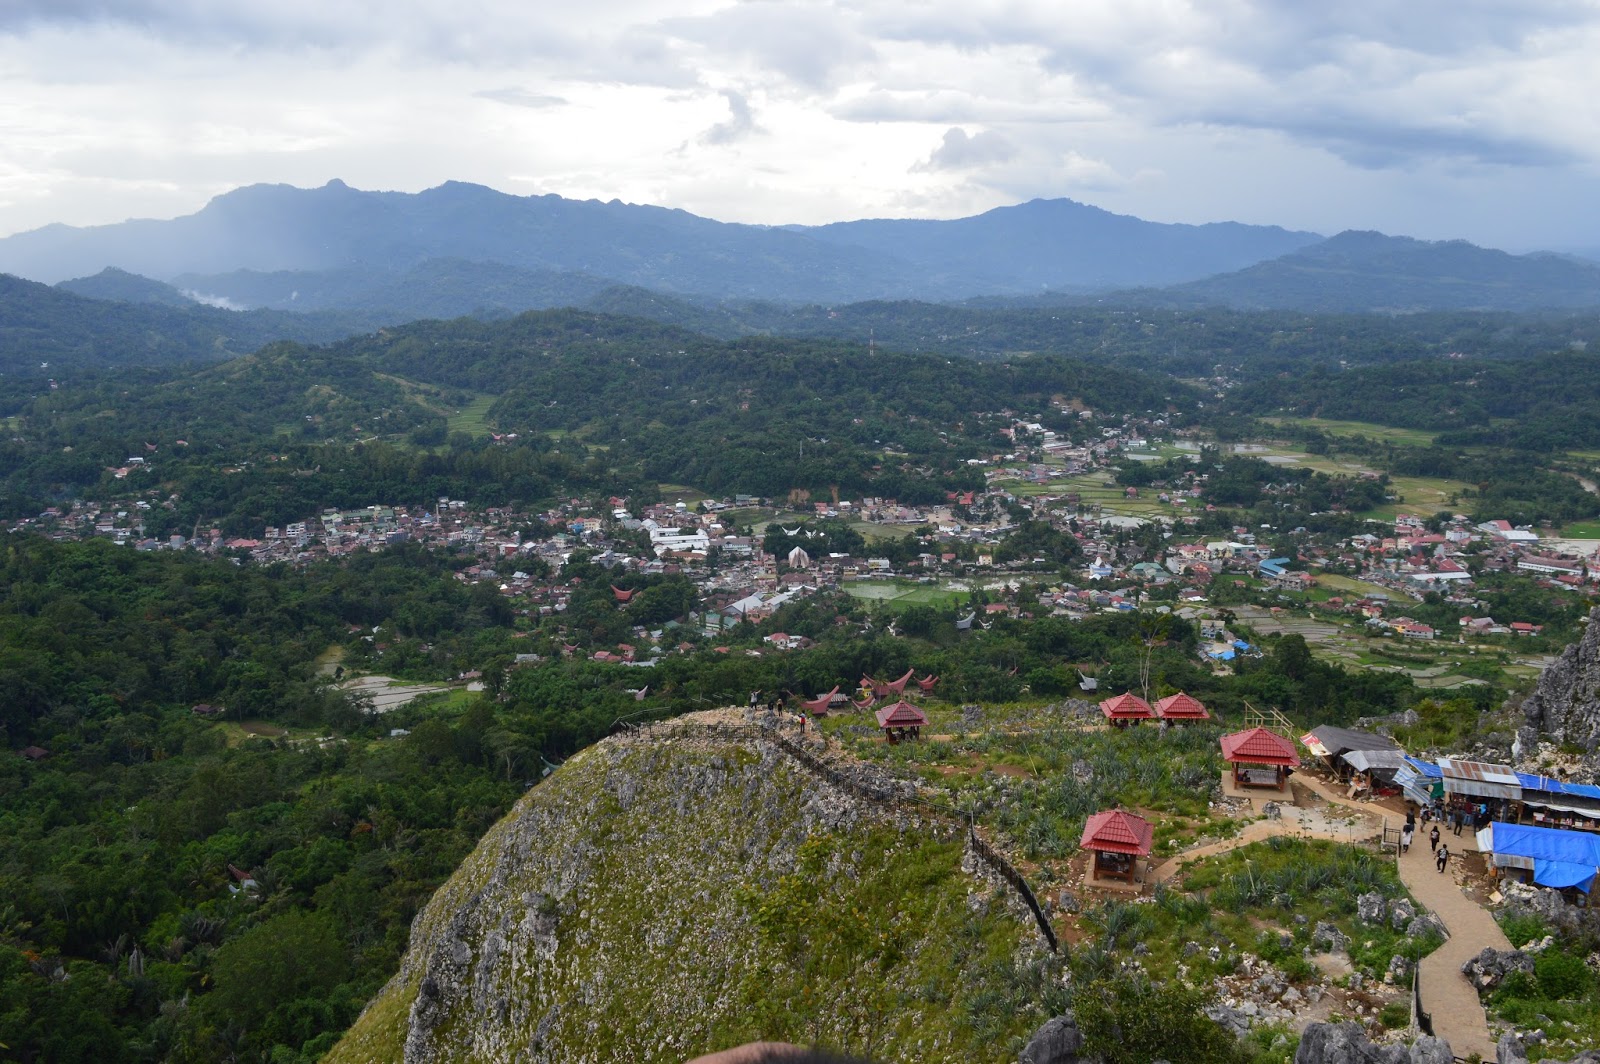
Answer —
654 901
1565 706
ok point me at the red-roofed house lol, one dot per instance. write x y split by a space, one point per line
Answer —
901 720
1180 708
1118 840
1123 709
1259 758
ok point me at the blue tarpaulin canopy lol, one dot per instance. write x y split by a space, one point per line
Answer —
1560 858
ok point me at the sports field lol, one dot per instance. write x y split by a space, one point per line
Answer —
900 594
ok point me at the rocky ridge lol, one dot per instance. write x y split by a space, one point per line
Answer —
1565 705
652 901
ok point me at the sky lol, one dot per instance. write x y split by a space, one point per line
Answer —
1473 119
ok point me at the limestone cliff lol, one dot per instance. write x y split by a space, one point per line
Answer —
1565 706
653 901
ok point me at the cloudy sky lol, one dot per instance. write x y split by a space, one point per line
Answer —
1433 118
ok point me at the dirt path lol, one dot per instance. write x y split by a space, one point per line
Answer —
1458 1016
1299 821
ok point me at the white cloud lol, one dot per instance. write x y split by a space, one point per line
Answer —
1365 112
959 150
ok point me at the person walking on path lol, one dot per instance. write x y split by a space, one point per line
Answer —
1460 819
1443 857
1433 839
1405 839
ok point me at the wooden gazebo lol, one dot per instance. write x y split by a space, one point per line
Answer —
1182 709
1118 840
1125 709
1259 758
901 720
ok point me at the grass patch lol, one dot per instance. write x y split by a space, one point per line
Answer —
472 418
900 594
1581 530
1371 430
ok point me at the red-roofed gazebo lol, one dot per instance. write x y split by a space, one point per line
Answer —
1259 758
901 720
1125 709
1181 708
1118 840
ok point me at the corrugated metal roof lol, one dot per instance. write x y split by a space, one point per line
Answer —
1424 768
1366 760
1480 779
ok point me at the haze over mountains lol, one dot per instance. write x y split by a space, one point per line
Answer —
465 249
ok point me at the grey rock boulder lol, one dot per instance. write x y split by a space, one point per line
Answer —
1345 1043
1431 1050
1057 1041
1425 925
1490 967
1329 937
1371 908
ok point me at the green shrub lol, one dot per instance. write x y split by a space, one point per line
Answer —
1522 928
1561 975
1396 1014
1129 1020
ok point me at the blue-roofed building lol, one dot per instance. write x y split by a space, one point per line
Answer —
1422 781
1272 567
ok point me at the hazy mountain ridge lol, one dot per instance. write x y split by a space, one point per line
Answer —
1019 249
40 324
1368 271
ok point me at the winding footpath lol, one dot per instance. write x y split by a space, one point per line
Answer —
1447 997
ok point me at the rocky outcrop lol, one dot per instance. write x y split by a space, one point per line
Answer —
1347 1043
652 901
1565 706
1057 1042
1489 968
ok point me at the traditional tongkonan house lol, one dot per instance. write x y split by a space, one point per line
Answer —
902 720
1125 709
1118 840
1259 758
1181 709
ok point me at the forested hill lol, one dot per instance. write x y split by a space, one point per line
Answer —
1355 272
40 324
1546 403
1187 343
582 401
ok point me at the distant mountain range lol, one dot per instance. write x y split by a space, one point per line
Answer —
465 250
324 234
1357 271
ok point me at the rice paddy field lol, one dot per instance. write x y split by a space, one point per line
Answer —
1387 433
471 418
